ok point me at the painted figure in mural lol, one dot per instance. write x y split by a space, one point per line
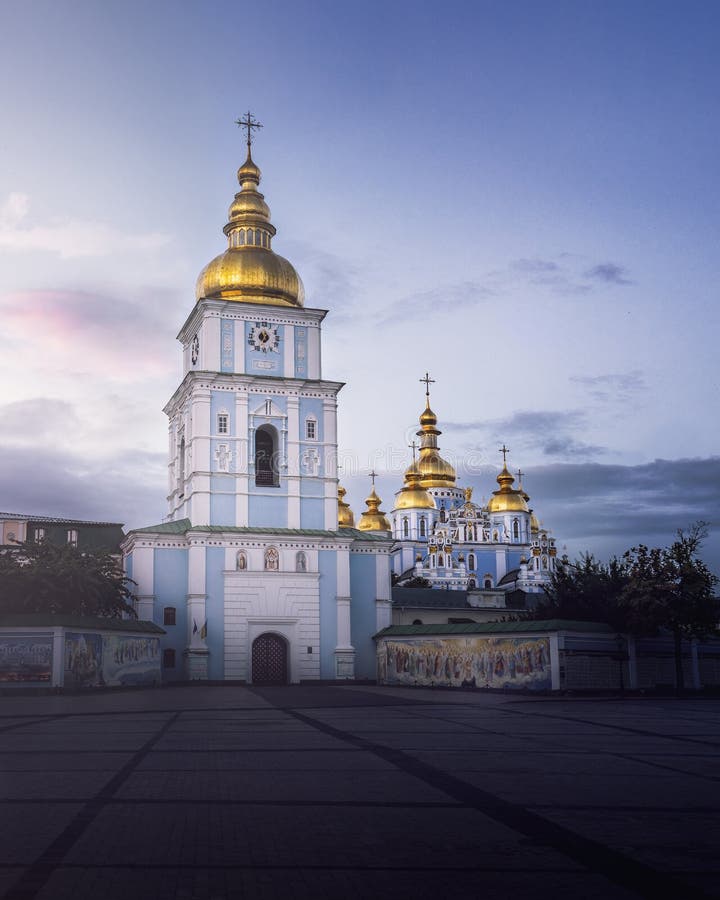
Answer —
272 560
240 561
301 562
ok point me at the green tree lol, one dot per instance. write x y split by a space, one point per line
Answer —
41 577
671 588
587 590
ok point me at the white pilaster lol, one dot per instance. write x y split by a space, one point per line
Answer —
143 572
197 651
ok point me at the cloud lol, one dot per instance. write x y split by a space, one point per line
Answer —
127 487
534 266
608 272
439 300
90 332
32 420
549 431
68 238
619 387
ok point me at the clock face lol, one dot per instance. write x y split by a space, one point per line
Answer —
264 338
195 349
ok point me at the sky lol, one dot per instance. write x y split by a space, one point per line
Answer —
520 198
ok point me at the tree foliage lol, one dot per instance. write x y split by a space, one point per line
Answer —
44 578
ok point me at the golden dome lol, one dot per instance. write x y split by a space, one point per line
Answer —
346 519
249 271
434 470
534 524
413 495
373 519
507 499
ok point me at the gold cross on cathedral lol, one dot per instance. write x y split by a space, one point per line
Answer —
373 475
248 123
427 381
413 447
520 475
504 450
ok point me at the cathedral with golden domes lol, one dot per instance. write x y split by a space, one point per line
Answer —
258 573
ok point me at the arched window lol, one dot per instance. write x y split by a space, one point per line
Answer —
241 561
406 527
471 561
544 562
422 527
272 560
488 584
242 237
266 457
169 615
300 562
443 515
471 584
516 529
441 561
417 621
495 535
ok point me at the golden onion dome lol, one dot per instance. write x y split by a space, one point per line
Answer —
373 519
249 270
534 524
413 495
434 470
346 519
507 499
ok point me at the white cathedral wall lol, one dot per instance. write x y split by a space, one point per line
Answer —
285 604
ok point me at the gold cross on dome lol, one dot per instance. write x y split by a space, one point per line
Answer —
248 123
427 380
504 450
373 475
413 447
520 475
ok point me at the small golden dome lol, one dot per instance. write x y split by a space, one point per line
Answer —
534 524
249 271
506 499
413 495
346 519
373 519
428 417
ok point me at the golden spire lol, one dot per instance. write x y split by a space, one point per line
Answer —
346 519
507 499
250 271
373 519
434 470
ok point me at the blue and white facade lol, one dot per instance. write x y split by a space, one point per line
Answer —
251 549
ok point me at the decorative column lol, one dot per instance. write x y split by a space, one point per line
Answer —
197 650
143 559
344 650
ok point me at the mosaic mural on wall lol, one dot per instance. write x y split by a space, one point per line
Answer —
484 662
26 658
111 660
83 659
131 660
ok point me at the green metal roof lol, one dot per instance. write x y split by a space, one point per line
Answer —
183 526
495 628
103 623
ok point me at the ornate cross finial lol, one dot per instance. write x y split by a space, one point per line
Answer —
504 450
373 475
248 123
427 380
413 447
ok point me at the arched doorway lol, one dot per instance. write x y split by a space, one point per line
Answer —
269 659
266 457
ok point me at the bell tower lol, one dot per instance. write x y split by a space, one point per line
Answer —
253 424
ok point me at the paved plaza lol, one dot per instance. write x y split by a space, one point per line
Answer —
357 792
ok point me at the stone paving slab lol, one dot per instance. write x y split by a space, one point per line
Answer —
356 792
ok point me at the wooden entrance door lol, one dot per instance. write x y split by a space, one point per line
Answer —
269 660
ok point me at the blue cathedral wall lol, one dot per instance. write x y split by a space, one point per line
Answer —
215 611
170 578
363 618
267 511
311 513
327 566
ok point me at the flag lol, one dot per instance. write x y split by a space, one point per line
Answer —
203 630
194 627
